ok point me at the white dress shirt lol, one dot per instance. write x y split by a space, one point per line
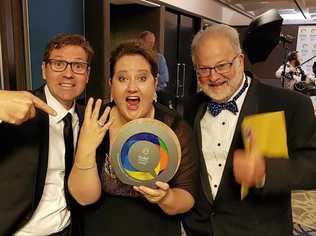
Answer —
217 134
52 215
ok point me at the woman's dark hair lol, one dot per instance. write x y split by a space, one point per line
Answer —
63 40
133 47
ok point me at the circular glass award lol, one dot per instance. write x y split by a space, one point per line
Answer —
145 151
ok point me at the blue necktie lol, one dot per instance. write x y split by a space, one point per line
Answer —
215 108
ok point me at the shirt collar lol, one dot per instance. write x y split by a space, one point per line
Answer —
240 87
241 98
57 106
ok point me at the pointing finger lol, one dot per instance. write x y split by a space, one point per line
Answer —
32 113
43 106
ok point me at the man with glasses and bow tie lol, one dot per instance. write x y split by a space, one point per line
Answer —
38 135
228 95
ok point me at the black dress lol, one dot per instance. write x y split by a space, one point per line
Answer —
123 211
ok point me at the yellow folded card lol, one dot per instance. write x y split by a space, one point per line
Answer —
269 132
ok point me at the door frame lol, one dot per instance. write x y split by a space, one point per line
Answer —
13 33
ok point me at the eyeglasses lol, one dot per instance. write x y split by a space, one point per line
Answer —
220 68
61 65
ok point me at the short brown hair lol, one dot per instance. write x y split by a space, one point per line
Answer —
133 47
62 40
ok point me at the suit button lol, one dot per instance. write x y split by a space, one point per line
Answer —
213 213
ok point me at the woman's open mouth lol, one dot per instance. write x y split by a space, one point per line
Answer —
132 102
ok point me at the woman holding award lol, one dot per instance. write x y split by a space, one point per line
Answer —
112 207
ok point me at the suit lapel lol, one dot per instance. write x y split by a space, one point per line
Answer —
250 106
203 174
43 123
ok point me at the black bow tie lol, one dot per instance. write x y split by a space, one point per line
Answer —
215 108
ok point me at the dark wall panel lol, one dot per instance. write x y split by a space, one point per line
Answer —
47 18
129 20
97 24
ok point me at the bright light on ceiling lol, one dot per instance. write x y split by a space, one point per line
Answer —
295 16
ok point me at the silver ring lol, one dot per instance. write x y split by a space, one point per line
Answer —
100 124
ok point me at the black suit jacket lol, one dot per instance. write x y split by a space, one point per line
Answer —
23 167
265 211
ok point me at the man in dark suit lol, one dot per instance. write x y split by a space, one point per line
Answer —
229 96
38 130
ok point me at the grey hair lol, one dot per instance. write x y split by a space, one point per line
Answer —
217 30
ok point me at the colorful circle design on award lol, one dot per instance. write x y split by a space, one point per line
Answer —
144 170
145 151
